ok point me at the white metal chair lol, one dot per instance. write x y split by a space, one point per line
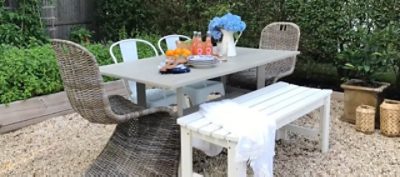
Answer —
154 97
198 92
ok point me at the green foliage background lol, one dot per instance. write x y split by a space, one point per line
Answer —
25 73
324 24
22 26
334 33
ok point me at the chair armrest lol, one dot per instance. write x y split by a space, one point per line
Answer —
137 114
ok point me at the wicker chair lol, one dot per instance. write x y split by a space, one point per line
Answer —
277 35
145 142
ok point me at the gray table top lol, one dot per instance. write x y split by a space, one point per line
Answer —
145 70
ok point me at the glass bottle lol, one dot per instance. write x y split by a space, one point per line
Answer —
208 47
199 45
194 43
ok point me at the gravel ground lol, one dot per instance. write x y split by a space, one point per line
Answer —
66 145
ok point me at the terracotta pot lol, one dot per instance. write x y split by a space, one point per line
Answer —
355 96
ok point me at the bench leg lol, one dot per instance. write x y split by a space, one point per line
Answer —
324 124
282 133
235 169
186 153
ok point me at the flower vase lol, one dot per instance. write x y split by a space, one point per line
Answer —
228 44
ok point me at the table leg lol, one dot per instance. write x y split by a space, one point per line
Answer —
224 80
141 94
260 76
324 124
180 100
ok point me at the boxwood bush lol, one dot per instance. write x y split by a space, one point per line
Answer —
25 73
29 72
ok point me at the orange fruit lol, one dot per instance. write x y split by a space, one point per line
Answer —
179 51
170 53
186 53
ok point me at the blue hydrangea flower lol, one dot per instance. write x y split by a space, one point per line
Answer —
228 22
214 26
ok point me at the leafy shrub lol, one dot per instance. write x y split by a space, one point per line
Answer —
366 44
321 23
80 34
114 15
361 58
391 53
25 73
22 27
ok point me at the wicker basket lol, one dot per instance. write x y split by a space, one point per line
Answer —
365 119
390 118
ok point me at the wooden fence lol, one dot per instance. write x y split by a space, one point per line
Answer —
62 15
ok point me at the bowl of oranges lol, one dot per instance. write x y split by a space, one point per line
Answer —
178 54
175 61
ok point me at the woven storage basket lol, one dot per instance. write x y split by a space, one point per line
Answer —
390 118
365 119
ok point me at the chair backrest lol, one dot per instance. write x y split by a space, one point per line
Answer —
128 48
129 52
82 81
280 36
171 41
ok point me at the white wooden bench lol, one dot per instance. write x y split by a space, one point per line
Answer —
281 101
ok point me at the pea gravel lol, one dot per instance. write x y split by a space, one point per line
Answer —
66 145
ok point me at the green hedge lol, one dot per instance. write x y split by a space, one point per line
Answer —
25 73
324 24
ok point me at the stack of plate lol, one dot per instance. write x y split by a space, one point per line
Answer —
202 61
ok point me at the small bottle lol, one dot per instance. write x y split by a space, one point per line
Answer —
208 47
194 43
199 45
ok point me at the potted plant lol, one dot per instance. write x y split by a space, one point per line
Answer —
360 58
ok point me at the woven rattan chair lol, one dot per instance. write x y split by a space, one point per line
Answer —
277 35
145 142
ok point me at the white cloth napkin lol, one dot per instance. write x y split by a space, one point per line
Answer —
257 134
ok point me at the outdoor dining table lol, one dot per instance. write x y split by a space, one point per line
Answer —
145 71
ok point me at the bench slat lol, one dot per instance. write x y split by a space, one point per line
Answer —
220 134
254 94
208 130
282 104
195 125
265 95
281 99
189 118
